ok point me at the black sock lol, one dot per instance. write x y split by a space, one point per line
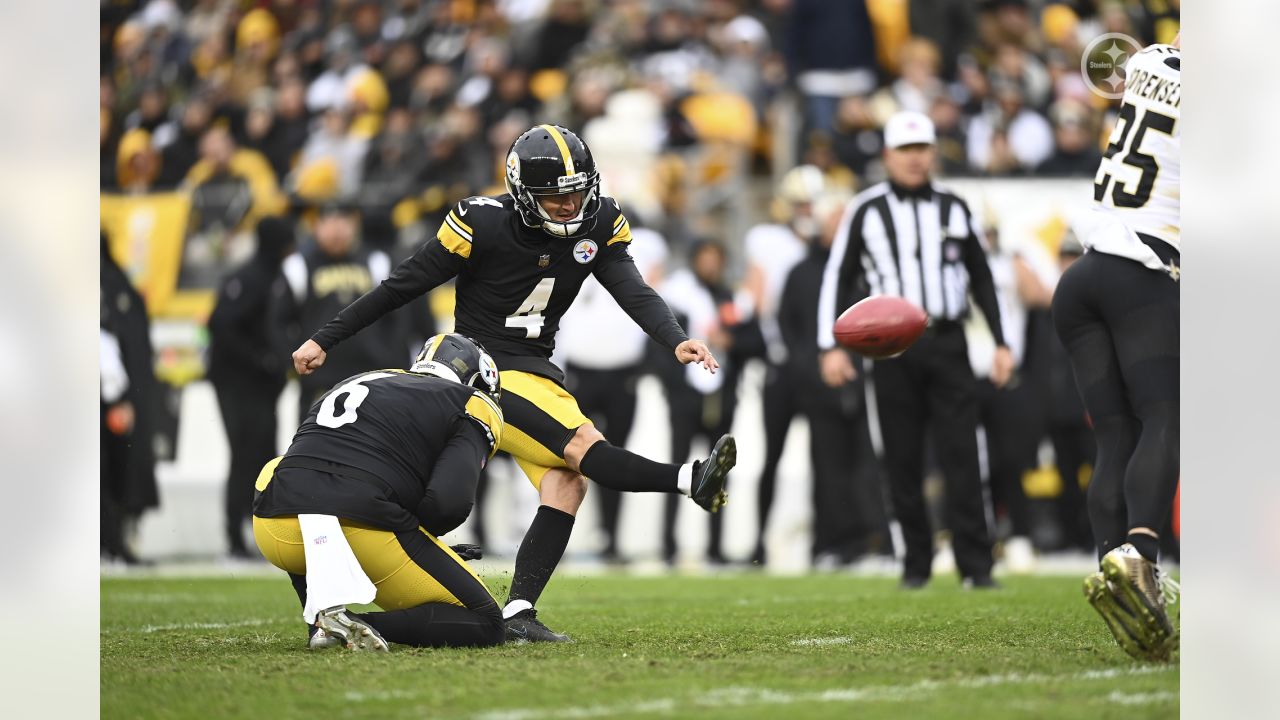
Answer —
613 467
439 625
539 553
1148 546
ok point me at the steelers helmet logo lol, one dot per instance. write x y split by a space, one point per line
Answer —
489 372
513 168
585 251
1103 63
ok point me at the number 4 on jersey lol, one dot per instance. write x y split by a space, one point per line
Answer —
529 314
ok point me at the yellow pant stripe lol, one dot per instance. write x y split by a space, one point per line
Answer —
400 582
533 457
268 471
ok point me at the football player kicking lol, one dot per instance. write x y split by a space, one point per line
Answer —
520 259
392 459
1116 310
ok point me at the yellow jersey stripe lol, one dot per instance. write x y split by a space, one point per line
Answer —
564 148
453 216
621 234
618 221
495 407
452 241
458 227
489 414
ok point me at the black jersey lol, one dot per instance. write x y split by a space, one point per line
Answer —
322 285
515 282
378 436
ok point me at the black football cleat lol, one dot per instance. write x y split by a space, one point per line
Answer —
709 476
980 582
525 626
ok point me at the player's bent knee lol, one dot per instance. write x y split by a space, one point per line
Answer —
563 489
583 438
495 632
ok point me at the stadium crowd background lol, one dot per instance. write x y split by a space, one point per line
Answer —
694 110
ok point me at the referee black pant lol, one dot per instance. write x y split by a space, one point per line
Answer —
932 383
1119 321
781 398
693 415
848 494
608 397
249 416
1012 428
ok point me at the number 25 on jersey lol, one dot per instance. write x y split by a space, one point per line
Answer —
1126 148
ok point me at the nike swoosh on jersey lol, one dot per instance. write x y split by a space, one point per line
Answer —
462 209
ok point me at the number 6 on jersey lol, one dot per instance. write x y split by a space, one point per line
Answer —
529 314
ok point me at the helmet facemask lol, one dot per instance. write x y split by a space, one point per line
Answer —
573 227
540 165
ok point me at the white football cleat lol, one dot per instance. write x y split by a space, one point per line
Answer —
353 632
321 640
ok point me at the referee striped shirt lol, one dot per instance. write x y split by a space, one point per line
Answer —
920 244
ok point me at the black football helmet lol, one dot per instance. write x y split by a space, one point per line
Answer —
551 160
460 359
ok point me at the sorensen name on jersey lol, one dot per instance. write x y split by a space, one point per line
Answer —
1137 185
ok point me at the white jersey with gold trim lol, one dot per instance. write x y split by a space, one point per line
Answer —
1137 185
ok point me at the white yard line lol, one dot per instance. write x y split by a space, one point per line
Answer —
1150 698
162 598
147 629
747 696
821 641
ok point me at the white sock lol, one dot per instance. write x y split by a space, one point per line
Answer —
684 479
515 607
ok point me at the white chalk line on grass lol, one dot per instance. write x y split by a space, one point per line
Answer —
746 697
161 598
147 629
821 641
1151 698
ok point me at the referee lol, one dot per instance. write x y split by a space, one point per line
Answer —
909 238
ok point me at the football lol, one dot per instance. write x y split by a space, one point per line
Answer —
881 326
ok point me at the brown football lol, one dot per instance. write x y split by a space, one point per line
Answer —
881 326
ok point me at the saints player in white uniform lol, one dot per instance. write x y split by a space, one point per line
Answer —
1117 311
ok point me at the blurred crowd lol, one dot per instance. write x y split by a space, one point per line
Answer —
409 105
362 121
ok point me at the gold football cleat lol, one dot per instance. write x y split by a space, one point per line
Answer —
1126 628
1135 581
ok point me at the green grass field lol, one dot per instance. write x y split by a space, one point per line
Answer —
733 646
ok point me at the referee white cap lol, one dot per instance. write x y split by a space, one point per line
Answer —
909 128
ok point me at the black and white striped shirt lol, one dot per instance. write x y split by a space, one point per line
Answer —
922 245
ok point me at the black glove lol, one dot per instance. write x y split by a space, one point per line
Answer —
467 551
